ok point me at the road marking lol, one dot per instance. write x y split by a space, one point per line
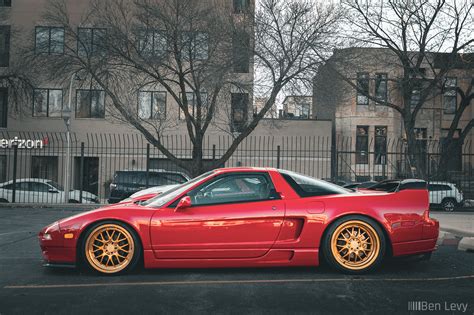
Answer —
226 282
16 232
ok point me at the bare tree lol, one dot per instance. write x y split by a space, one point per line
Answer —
452 141
413 32
187 49
12 72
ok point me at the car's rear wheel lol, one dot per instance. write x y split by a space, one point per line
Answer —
448 205
111 248
354 244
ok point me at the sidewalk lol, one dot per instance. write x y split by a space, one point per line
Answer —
460 224
456 229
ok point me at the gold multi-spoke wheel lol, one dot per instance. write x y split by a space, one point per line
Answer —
109 248
355 245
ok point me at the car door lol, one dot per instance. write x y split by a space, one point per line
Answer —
43 193
22 193
232 216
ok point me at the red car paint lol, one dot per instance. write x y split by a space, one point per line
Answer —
284 232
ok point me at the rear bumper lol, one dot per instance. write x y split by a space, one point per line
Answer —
414 247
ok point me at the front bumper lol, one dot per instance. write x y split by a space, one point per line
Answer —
54 247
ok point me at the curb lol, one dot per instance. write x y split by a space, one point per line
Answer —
456 231
463 239
466 244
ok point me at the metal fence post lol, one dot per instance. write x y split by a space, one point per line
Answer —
213 152
278 156
81 173
15 163
147 165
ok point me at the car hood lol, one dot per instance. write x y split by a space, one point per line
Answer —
152 190
101 211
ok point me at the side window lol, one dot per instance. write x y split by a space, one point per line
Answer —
25 186
445 187
9 186
232 189
310 187
39 187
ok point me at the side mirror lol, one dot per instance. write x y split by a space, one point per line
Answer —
184 203
54 191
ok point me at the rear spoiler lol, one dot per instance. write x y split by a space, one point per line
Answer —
398 185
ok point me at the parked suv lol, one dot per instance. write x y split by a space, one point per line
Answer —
128 182
446 195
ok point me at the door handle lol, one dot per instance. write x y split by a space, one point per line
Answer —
274 207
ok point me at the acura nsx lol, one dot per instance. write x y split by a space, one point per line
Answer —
249 217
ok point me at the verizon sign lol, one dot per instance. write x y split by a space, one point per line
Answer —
23 143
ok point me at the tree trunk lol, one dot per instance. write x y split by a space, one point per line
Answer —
196 166
415 155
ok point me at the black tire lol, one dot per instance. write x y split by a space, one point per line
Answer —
137 248
2 200
73 201
449 204
373 262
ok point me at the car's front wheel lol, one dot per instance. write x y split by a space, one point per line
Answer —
111 247
448 205
354 244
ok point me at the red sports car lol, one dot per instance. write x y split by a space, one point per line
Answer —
249 217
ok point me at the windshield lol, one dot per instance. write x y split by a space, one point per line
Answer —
55 185
171 194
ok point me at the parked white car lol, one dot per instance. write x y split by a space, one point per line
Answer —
38 190
445 194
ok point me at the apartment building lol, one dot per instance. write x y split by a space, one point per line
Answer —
298 107
371 131
92 115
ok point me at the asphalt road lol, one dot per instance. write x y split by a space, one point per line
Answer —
27 287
